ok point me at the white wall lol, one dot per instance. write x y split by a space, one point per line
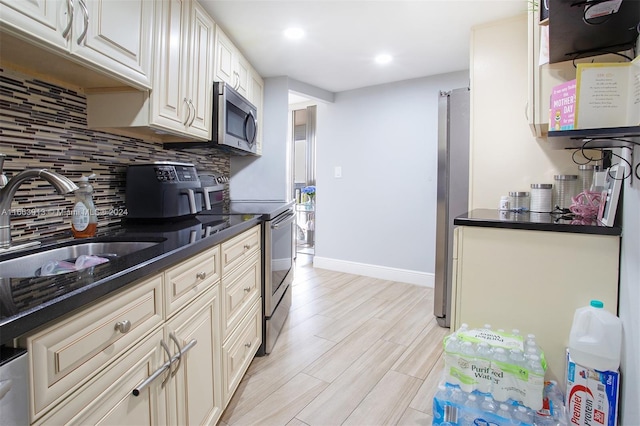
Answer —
629 301
265 177
505 156
379 218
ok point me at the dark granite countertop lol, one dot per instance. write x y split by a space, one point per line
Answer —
533 221
28 303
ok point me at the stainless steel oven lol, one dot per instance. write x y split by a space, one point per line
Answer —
279 266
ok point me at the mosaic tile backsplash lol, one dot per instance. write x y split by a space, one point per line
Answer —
45 126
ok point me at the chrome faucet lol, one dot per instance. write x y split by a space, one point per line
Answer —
8 190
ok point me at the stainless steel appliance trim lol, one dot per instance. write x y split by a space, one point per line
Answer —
14 391
274 324
283 220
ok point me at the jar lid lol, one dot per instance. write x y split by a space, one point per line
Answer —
541 186
586 167
518 194
566 177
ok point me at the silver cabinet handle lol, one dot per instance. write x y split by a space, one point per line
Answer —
247 289
123 326
65 32
201 275
247 246
191 105
167 365
188 114
85 13
247 345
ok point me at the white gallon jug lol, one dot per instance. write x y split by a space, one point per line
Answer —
596 338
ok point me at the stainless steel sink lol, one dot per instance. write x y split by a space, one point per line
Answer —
29 265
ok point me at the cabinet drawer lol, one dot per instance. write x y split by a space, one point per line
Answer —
239 248
66 354
239 349
107 398
188 279
239 289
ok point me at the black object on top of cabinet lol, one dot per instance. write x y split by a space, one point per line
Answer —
570 37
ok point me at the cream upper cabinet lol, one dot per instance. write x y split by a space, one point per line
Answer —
109 36
230 66
256 97
181 99
180 103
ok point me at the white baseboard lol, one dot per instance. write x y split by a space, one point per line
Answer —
382 272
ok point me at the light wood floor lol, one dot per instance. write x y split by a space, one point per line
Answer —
354 351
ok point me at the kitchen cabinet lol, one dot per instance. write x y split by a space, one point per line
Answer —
230 65
241 327
194 393
532 281
112 37
181 101
163 337
107 398
256 97
65 355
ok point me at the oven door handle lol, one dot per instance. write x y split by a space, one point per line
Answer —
288 218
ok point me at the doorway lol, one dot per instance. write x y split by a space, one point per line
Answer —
303 137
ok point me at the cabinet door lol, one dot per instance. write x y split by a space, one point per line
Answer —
201 72
169 106
194 393
534 281
115 35
239 349
42 20
224 68
242 74
256 96
108 400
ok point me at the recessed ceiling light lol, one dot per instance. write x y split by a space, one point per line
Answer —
294 33
383 59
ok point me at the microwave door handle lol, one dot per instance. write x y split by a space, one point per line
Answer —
250 118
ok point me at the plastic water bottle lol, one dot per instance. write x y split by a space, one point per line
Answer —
596 338
470 411
503 411
499 390
452 351
488 405
535 385
484 355
516 357
468 353
522 414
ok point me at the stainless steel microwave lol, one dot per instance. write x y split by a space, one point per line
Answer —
235 124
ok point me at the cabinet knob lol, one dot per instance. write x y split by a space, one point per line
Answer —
123 326
247 345
247 289
201 275
247 246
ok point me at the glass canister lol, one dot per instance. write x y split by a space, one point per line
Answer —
541 197
585 173
564 189
519 201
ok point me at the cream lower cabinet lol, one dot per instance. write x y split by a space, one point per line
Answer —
156 353
241 326
532 281
194 392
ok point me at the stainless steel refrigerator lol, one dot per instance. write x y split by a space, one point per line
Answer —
453 190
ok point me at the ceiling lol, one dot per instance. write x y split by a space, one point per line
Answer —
425 37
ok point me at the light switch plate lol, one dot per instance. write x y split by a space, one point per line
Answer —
337 171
